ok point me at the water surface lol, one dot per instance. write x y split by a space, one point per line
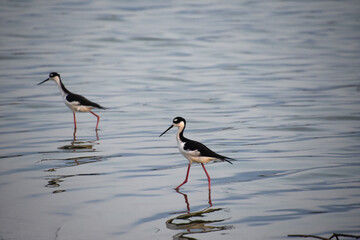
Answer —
274 85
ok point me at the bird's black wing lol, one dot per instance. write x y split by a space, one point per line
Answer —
204 150
71 97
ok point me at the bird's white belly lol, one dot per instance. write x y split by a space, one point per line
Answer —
84 108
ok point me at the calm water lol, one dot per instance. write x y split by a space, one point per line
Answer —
275 85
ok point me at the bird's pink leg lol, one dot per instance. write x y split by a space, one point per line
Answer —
98 119
74 134
186 179
209 180
74 122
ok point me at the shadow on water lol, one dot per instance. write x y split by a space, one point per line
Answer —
196 222
54 181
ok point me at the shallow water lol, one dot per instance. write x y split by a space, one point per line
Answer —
273 84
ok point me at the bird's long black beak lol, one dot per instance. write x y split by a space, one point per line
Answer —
44 81
166 130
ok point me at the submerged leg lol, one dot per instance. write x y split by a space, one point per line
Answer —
209 180
186 179
74 135
210 203
98 119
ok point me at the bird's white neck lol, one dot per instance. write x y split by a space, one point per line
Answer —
61 86
179 135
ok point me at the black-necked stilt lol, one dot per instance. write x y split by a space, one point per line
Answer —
192 150
75 102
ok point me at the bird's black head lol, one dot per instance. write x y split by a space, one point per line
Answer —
54 74
178 120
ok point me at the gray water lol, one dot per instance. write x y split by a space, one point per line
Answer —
273 84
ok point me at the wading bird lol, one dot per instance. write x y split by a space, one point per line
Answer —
75 102
194 151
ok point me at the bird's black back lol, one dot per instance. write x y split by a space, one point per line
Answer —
72 97
204 150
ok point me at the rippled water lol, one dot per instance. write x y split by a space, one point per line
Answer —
274 84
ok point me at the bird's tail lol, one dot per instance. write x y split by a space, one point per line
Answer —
227 159
101 107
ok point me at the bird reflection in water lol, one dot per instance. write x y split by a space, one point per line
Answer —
196 222
96 134
79 146
54 181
